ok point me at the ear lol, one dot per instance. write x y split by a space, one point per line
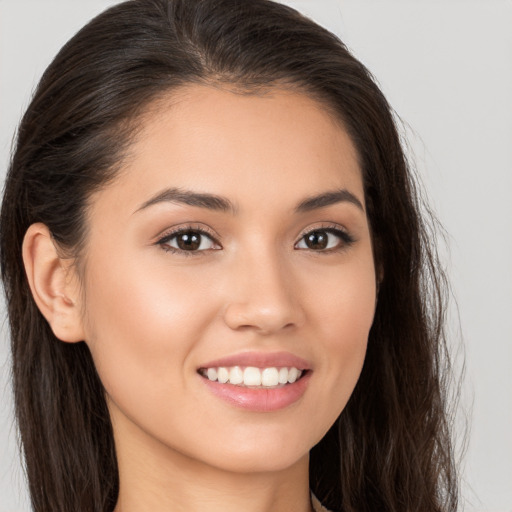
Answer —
54 284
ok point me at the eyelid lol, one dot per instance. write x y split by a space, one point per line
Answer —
188 226
347 238
169 233
326 226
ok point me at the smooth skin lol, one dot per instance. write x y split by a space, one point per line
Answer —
153 310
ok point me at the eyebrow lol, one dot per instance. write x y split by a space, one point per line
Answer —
180 196
219 203
328 199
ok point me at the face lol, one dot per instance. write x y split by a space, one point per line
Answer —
231 255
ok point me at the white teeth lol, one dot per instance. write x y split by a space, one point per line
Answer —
223 375
270 377
236 375
252 376
293 374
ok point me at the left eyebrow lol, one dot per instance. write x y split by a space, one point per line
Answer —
190 198
327 199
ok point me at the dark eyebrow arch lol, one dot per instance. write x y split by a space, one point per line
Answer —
181 196
328 199
219 203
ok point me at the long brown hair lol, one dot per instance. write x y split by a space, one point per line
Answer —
390 449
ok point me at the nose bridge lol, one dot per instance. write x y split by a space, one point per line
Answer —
263 295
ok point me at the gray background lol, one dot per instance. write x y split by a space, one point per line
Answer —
446 67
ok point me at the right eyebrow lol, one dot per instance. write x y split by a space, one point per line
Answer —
188 197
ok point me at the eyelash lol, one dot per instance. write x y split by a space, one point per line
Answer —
346 239
165 239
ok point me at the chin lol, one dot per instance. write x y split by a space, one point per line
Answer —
263 462
263 454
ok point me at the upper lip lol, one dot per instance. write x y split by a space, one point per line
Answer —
260 360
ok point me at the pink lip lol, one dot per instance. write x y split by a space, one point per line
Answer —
259 399
260 360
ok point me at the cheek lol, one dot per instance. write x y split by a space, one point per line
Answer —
343 298
344 312
142 324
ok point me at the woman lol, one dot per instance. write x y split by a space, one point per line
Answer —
221 292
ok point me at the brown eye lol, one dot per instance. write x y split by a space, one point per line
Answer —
188 240
317 240
325 239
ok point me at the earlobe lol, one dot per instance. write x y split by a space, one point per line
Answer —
53 284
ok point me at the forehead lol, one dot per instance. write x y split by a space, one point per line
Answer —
272 148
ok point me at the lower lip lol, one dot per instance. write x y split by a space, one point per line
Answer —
260 399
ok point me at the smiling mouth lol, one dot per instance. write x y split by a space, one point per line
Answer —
250 376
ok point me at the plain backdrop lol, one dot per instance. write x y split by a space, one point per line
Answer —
446 68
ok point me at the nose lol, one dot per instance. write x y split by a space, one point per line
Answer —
263 296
